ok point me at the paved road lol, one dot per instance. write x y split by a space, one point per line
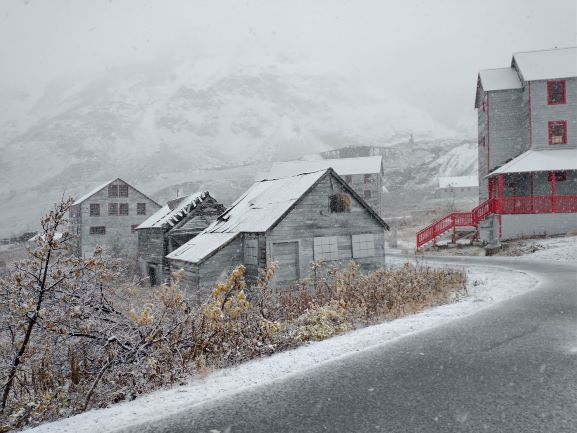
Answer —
510 368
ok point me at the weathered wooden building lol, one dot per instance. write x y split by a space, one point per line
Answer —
527 126
363 174
457 187
292 221
108 216
171 226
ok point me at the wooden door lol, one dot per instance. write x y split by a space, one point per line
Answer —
286 254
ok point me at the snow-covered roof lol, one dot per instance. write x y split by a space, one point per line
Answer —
540 160
458 182
92 192
499 79
172 212
201 246
343 166
256 211
39 235
547 64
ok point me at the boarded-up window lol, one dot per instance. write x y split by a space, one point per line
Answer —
123 209
339 202
140 208
112 190
556 93
112 208
123 190
326 248
558 132
98 230
363 246
251 252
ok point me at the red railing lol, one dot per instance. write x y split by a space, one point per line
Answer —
505 205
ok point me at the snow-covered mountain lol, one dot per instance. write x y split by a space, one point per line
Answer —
190 125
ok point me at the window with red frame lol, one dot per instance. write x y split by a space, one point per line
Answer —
558 132
556 93
560 176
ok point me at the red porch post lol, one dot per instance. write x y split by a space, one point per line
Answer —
500 193
553 191
532 191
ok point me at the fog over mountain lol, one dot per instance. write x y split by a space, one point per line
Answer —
181 95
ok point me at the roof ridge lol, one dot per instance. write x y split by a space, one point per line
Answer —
545 49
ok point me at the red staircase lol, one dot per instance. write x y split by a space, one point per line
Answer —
454 220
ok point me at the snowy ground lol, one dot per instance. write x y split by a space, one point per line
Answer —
487 286
560 249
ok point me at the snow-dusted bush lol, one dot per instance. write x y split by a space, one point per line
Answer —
76 333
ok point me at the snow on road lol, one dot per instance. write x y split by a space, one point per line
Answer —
487 285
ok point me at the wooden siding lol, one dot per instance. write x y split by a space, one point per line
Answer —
312 218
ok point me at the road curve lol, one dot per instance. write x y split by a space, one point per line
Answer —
509 368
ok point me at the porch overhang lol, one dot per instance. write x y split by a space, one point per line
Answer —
542 160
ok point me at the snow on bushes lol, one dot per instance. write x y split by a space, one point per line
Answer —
75 335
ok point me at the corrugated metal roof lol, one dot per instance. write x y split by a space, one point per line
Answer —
201 246
547 64
499 79
342 166
173 212
540 160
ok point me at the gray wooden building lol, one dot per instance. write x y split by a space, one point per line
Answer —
527 131
363 174
290 220
108 216
177 222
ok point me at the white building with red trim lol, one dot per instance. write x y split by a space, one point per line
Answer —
527 131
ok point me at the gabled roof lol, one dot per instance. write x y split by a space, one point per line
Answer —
174 211
540 160
499 79
104 185
547 64
258 211
343 166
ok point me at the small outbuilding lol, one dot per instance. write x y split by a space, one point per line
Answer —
292 221
171 226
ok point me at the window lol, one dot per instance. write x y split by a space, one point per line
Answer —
133 228
348 178
339 202
94 209
326 248
112 208
558 132
98 230
112 190
367 193
123 190
368 178
560 176
363 246
251 252
556 93
140 208
123 209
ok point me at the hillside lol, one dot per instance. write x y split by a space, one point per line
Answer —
200 125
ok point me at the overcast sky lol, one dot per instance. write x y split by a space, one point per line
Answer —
427 51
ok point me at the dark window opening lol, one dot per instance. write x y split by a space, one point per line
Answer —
152 275
556 93
112 190
367 194
339 202
140 208
112 208
122 190
368 178
558 132
94 209
348 179
133 228
560 176
98 230
123 209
